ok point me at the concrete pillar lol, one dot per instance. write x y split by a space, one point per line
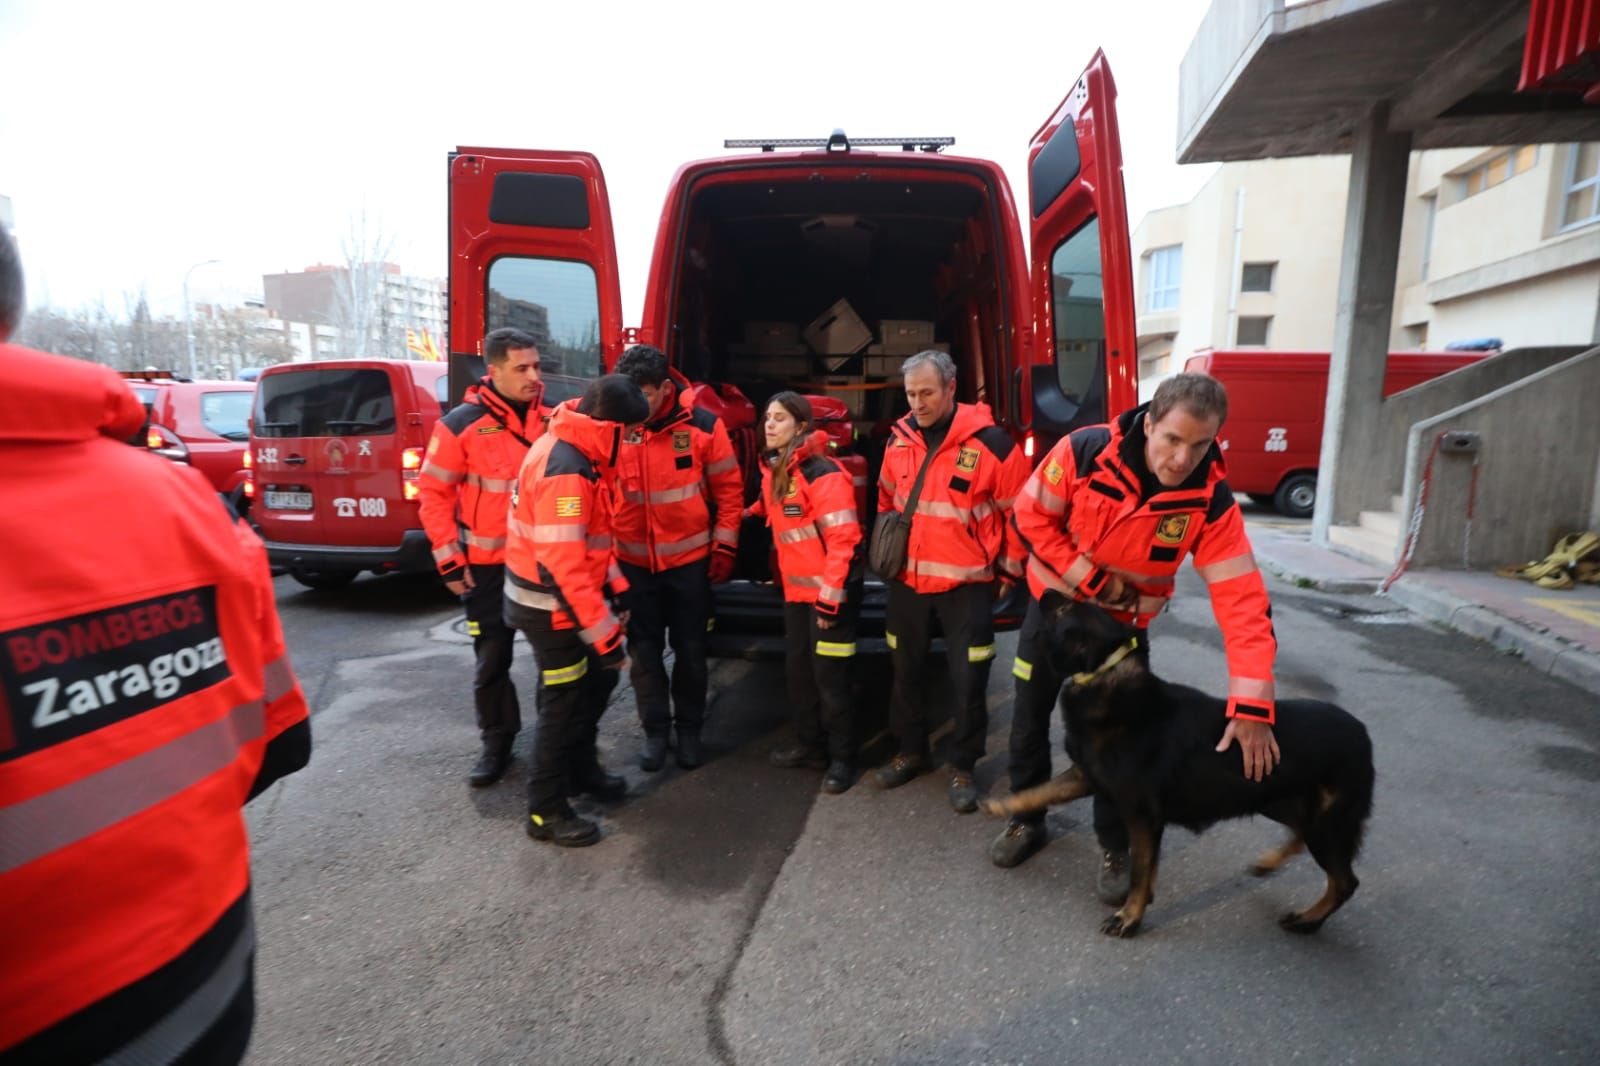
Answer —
1378 165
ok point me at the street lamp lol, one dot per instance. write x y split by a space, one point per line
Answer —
188 322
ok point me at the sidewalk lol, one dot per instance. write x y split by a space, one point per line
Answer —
1556 633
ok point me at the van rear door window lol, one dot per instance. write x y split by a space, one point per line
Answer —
558 302
324 403
1080 320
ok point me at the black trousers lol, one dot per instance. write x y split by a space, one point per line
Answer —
669 609
966 617
818 663
494 696
573 691
1038 689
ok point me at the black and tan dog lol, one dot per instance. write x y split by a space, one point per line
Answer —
1150 748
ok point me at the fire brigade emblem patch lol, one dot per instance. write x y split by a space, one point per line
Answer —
433 446
569 506
1172 529
680 440
794 489
967 459
1053 473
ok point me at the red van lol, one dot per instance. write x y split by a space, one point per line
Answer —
335 450
202 423
1275 406
820 269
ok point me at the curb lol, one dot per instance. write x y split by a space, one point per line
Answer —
1545 653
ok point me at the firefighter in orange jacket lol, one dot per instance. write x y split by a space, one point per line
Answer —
962 557
809 502
679 497
145 696
465 486
1109 516
561 584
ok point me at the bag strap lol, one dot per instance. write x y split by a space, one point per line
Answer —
916 486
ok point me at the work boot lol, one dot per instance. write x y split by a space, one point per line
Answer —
1020 840
963 792
653 756
600 784
491 765
690 751
562 827
898 770
798 757
840 776
1111 885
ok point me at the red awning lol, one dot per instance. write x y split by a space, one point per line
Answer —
1561 34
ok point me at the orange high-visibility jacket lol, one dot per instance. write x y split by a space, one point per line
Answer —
465 484
815 527
145 695
1082 520
558 547
960 533
667 471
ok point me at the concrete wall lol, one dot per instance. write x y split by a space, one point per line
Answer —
1536 476
1383 464
1554 309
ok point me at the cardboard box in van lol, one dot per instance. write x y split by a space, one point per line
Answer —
838 331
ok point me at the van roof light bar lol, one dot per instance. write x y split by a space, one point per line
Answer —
838 142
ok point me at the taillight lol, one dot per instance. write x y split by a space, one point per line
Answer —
250 490
1027 445
163 442
248 461
410 470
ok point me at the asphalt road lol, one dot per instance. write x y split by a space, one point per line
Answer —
733 915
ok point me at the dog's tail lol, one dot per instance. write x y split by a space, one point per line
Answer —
1063 788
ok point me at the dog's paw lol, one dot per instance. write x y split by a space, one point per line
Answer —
1116 926
1295 922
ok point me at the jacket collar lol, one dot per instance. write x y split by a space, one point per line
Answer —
682 404
484 394
817 443
596 439
968 419
50 398
1127 445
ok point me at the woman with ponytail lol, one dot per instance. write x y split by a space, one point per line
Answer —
809 502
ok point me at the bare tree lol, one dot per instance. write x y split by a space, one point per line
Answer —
361 305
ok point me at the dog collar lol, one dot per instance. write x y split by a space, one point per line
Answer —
1117 656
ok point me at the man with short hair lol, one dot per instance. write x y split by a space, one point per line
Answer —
465 492
680 494
562 589
960 560
1108 517
145 696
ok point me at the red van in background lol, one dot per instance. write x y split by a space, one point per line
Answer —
202 423
1276 401
335 450
819 270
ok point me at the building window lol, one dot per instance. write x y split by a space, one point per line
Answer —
1257 277
1163 273
1427 234
1579 204
1499 168
1253 330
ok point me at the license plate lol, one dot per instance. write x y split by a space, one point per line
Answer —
288 501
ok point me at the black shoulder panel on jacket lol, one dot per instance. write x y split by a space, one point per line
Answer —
996 440
1221 500
702 419
1086 444
461 416
565 458
817 466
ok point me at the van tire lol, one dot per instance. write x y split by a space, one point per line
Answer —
1296 495
322 579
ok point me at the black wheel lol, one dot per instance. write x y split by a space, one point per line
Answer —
322 579
1297 495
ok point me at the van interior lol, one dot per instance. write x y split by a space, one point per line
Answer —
915 263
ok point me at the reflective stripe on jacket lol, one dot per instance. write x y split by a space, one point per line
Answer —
960 534
1081 518
672 475
466 479
145 695
558 541
815 527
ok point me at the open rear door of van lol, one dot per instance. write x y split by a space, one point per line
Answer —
1085 357
531 247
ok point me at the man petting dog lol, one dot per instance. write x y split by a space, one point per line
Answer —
1107 518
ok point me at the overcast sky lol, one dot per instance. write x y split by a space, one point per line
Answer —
137 140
